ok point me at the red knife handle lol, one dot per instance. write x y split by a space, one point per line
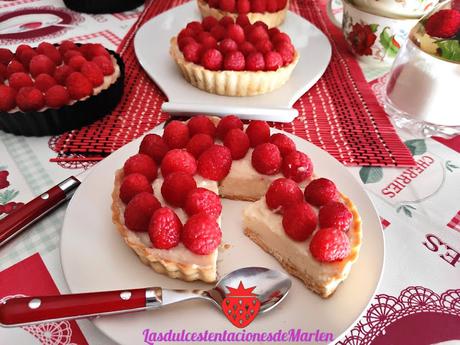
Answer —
27 214
30 310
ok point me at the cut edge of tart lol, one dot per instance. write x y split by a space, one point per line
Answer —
231 83
272 19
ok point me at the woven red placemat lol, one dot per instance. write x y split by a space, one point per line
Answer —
339 114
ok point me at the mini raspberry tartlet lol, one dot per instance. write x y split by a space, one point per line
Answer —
271 12
54 88
234 58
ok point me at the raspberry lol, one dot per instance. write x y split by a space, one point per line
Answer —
132 185
5 56
299 221
286 50
218 32
57 96
41 64
282 4
184 41
212 59
70 54
213 3
335 215
30 99
176 135
7 98
238 143
284 143
266 159
243 6
92 50
67 45
247 48
258 132
243 20
178 160
258 6
329 245
201 234
61 73
234 61
282 193
227 123
227 45
153 146
13 67
105 64
139 211
20 79
78 86
236 33
77 62
256 34
176 186
209 22
321 191
206 40
165 228
186 32
226 21
2 73
273 61
25 54
201 124
255 62
94 74
199 143
227 5
44 81
264 46
51 51
192 52
273 31
272 6
202 200
281 37
141 164
215 162
297 166
443 24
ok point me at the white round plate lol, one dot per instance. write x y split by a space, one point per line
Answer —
152 43
94 257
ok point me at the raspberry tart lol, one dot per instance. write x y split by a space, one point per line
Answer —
271 12
54 88
233 57
166 202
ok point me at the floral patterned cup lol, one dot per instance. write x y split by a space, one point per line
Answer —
373 39
405 8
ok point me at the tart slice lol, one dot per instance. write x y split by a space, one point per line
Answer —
271 12
234 58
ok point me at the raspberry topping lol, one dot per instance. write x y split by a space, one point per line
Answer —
153 146
212 59
320 192
234 61
78 86
236 33
105 64
258 132
13 67
329 245
20 79
243 6
7 98
62 72
335 215
51 51
184 41
70 54
209 22
272 5
256 34
94 74
56 96
218 32
443 24
201 124
5 56
192 52
215 162
226 21
30 99
24 54
273 61
66 45
176 186
227 123
243 20
258 6
201 234
238 143
44 81
264 46
41 64
282 193
132 185
207 40
286 50
76 62
299 221
202 200
139 211
141 164
284 143
199 143
176 135
227 5
227 45
165 228
255 62
297 166
247 49
178 160
266 159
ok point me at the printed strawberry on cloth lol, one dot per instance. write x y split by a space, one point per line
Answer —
340 113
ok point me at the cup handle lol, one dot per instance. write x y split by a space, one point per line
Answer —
331 15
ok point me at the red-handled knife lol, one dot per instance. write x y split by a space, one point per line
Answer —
29 213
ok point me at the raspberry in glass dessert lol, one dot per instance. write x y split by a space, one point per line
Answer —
233 57
54 88
166 202
271 12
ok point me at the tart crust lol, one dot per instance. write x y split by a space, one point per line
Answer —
231 83
272 19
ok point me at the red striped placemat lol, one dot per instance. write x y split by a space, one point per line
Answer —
339 114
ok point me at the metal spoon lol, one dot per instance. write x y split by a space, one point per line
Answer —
270 287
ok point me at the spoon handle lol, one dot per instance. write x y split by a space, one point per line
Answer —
31 310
